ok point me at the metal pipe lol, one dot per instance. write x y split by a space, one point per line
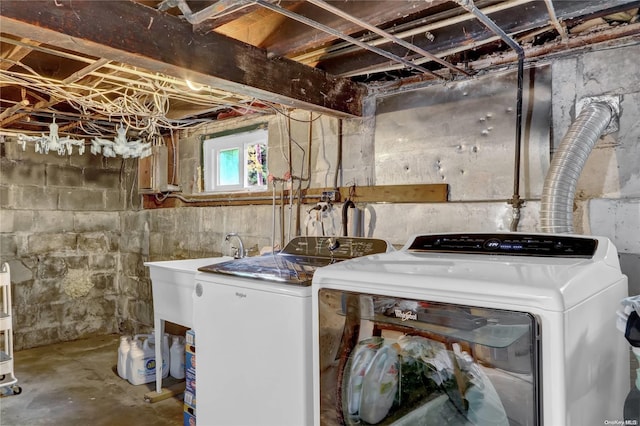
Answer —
339 49
217 9
273 225
345 215
345 37
558 192
515 201
392 67
282 215
322 4
308 178
309 138
339 155
212 200
290 158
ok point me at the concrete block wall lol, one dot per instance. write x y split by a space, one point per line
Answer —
135 300
75 237
61 231
188 233
607 202
463 134
608 191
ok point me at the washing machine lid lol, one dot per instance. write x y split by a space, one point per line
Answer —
300 258
488 275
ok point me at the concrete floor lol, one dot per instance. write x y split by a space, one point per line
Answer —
76 383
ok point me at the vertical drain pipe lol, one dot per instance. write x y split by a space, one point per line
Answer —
515 201
558 192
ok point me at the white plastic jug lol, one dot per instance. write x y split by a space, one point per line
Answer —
166 352
134 355
123 352
177 358
141 363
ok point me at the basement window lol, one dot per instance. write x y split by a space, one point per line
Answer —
235 160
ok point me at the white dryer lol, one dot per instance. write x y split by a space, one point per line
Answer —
500 329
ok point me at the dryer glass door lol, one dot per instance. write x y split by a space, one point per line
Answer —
393 361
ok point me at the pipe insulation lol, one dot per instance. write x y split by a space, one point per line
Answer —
558 192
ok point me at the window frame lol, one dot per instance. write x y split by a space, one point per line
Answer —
240 138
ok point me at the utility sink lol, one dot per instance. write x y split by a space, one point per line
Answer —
172 283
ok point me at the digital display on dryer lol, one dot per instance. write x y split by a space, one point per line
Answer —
507 244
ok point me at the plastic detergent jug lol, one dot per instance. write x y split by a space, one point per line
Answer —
166 352
177 358
123 352
141 364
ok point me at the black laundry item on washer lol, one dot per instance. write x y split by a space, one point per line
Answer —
632 331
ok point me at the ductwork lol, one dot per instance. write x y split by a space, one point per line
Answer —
558 193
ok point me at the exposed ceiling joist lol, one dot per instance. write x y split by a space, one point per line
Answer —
143 37
470 32
95 66
16 54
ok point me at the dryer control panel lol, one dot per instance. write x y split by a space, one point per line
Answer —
507 244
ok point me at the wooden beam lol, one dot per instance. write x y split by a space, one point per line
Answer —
425 193
141 36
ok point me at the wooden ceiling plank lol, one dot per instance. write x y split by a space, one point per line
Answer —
13 109
42 105
16 54
140 36
78 75
218 20
293 37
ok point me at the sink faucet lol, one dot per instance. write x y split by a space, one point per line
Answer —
238 251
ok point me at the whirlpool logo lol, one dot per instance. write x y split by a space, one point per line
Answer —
405 315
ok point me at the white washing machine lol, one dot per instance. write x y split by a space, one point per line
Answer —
483 329
252 319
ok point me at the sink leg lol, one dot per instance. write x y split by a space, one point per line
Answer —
159 332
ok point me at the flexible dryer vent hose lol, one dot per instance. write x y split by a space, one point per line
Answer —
558 193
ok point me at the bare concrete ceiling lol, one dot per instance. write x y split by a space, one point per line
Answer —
163 65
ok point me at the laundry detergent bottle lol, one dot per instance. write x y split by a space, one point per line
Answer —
177 358
134 358
166 352
142 363
123 352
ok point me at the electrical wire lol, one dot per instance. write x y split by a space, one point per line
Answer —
142 105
